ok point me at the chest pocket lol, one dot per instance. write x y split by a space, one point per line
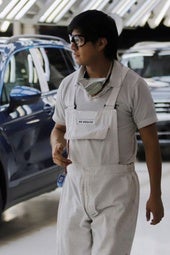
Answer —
87 124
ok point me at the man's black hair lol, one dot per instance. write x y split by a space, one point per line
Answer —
94 24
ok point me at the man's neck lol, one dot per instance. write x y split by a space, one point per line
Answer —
99 70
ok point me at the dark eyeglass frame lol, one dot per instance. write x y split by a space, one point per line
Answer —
79 40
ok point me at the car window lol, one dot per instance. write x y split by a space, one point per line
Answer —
20 70
40 68
57 64
53 64
148 64
157 65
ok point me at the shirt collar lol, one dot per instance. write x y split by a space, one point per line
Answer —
115 78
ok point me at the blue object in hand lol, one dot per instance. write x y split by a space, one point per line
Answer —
60 180
65 154
61 177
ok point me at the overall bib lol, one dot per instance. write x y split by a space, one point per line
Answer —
99 200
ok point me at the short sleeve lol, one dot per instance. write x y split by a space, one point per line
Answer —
59 111
144 110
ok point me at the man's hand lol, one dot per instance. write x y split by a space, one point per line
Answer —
58 157
58 143
154 206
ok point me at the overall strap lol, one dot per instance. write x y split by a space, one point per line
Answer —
115 91
72 103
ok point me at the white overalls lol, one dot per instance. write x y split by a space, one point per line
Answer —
99 201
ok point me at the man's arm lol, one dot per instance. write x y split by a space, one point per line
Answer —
154 204
58 143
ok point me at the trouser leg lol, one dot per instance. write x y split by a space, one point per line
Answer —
73 225
114 227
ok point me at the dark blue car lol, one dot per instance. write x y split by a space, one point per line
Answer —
31 69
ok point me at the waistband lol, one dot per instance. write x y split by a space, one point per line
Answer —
113 168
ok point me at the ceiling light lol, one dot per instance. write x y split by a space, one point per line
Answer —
144 19
8 8
143 10
92 5
64 10
16 9
166 22
102 4
57 10
24 9
160 14
4 26
49 11
123 6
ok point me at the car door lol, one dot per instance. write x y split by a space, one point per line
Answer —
27 127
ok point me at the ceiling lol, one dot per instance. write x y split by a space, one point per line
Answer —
127 13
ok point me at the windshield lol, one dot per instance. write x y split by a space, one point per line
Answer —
148 64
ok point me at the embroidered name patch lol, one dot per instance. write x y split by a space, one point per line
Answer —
85 122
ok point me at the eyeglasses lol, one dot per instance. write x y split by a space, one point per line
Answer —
79 40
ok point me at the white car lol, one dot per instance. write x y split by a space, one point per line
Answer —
151 60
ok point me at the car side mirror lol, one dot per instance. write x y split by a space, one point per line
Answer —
21 95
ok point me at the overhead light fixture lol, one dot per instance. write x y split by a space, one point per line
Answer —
60 13
49 11
92 5
96 5
102 4
22 12
166 22
4 26
144 19
122 7
63 11
155 21
16 9
57 10
140 12
8 8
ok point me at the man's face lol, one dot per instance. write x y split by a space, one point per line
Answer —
84 51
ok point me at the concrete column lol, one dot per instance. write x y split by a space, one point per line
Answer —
19 28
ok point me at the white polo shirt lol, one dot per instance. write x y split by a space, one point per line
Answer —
135 107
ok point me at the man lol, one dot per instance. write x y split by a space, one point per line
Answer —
98 109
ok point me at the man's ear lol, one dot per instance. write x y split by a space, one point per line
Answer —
102 42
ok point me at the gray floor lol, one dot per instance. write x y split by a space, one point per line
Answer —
30 227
